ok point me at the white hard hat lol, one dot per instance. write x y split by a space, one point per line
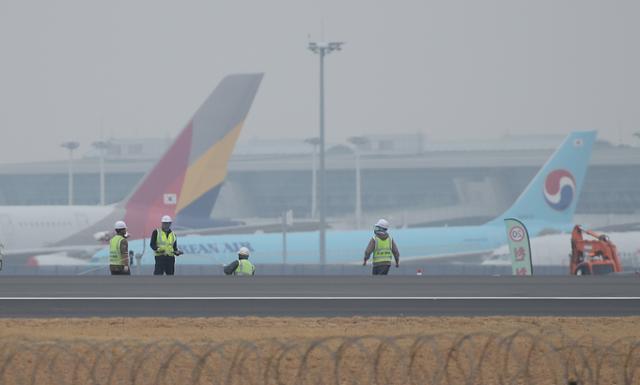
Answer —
243 251
120 225
166 219
382 223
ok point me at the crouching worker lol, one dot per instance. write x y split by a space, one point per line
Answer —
119 251
241 266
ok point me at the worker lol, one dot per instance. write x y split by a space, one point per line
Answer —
119 251
165 246
383 248
241 266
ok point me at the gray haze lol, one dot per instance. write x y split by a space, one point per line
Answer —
449 69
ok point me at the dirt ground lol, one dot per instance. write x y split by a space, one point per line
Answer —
257 328
253 350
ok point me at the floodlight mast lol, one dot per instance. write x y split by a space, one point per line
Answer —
323 49
101 146
70 146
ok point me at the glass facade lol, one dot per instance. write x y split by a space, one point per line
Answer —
608 189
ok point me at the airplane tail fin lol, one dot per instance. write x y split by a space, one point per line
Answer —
553 193
186 181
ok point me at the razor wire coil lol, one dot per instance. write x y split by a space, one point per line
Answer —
520 358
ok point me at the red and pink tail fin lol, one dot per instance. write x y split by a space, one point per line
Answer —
186 181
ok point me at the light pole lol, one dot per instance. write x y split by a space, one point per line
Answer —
101 146
71 146
358 142
323 49
314 188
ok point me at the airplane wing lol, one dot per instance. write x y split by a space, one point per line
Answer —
477 256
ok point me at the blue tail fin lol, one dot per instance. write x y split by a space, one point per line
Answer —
553 193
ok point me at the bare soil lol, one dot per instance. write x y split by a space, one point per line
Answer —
253 350
256 328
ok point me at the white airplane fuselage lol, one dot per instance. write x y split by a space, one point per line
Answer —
29 227
554 250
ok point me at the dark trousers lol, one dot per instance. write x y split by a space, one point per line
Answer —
381 269
118 270
164 265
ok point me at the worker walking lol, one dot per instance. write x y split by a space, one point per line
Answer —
165 245
241 266
383 248
119 251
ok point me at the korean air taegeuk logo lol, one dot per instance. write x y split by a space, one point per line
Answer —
559 189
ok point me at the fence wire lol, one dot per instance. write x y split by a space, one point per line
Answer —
475 359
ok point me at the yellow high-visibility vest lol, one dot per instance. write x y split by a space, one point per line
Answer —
115 256
165 243
245 268
383 250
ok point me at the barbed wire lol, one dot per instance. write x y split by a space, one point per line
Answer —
520 358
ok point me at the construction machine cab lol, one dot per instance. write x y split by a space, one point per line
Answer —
595 256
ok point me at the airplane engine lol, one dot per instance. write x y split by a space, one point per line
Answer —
103 236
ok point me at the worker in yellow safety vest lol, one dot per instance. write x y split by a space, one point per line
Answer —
165 245
241 266
383 248
119 251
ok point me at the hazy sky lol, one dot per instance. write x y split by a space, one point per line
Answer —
450 69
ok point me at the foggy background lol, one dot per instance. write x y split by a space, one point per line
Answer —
447 69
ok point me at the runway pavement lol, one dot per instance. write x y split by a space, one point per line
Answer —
201 296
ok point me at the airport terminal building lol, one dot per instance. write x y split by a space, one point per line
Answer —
405 178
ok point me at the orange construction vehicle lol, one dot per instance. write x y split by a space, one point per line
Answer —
595 256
